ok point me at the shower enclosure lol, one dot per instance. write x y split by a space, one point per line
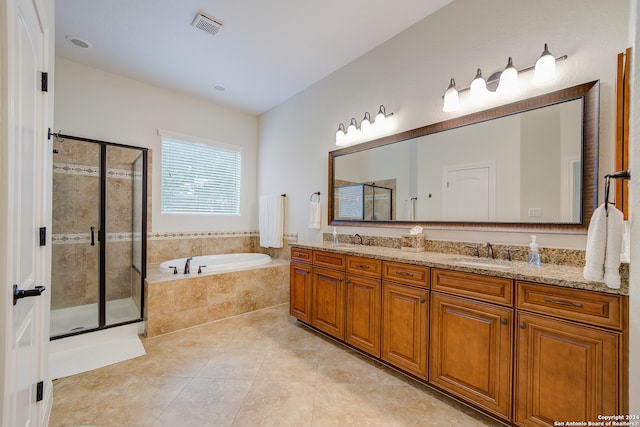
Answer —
99 235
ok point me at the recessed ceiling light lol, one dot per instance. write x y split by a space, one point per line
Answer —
219 87
77 41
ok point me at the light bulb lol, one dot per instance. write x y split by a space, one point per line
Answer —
479 89
340 136
451 101
508 79
545 67
365 125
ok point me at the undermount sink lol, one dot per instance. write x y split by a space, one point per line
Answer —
483 263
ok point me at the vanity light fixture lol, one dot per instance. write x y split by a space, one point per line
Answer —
340 135
505 82
367 129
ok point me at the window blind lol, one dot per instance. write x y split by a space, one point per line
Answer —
199 178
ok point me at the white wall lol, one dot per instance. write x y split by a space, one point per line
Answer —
409 74
94 104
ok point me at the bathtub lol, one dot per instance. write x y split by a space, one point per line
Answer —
230 285
217 263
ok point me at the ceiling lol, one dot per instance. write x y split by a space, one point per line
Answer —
266 51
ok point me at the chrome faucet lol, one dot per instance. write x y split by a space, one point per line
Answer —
187 266
489 249
359 237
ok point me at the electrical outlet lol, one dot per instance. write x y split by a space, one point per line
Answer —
535 212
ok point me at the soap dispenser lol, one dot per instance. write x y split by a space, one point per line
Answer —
534 255
334 238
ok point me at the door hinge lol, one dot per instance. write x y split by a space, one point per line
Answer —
40 391
45 82
43 236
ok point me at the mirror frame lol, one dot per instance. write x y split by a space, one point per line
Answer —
588 92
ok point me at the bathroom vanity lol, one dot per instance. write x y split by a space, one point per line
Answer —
527 345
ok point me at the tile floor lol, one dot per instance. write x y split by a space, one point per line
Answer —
258 369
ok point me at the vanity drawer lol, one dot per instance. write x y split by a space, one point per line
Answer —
406 273
329 260
572 304
364 266
301 255
486 288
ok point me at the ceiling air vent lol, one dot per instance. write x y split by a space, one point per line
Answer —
207 23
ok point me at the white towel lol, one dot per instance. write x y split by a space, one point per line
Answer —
596 244
615 230
604 244
271 221
315 215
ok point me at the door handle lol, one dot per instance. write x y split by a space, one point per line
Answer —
93 236
19 294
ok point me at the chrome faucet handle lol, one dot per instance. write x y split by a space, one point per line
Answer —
200 268
476 252
508 252
489 249
175 269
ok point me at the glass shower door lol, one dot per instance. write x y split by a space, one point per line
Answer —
75 272
124 214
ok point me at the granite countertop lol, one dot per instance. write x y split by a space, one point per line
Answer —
551 274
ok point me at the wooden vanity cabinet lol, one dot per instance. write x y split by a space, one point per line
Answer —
328 293
405 317
300 284
363 304
567 369
471 340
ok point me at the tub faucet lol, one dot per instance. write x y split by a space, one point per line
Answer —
187 266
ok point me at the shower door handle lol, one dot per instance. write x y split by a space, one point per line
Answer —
18 293
93 236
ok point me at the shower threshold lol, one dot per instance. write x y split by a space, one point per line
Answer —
76 319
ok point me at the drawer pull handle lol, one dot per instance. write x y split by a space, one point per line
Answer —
362 266
403 274
503 321
569 304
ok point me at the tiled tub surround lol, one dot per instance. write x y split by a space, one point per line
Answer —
567 275
170 245
178 301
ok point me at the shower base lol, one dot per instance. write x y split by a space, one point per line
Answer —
76 319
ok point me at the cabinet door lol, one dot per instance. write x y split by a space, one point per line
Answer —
300 292
471 351
405 321
327 301
564 371
363 314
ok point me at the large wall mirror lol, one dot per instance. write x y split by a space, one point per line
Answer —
530 165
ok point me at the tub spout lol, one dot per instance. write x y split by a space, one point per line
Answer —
187 266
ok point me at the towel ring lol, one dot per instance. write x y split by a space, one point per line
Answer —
317 193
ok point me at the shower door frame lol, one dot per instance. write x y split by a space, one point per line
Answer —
102 237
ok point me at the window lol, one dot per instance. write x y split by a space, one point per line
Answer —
199 178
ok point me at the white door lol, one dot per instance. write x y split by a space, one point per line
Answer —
24 201
469 192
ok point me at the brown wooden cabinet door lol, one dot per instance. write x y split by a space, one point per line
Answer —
327 306
405 312
471 351
363 314
564 371
300 292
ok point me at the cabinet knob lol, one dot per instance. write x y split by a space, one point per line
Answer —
503 321
422 300
522 326
347 281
